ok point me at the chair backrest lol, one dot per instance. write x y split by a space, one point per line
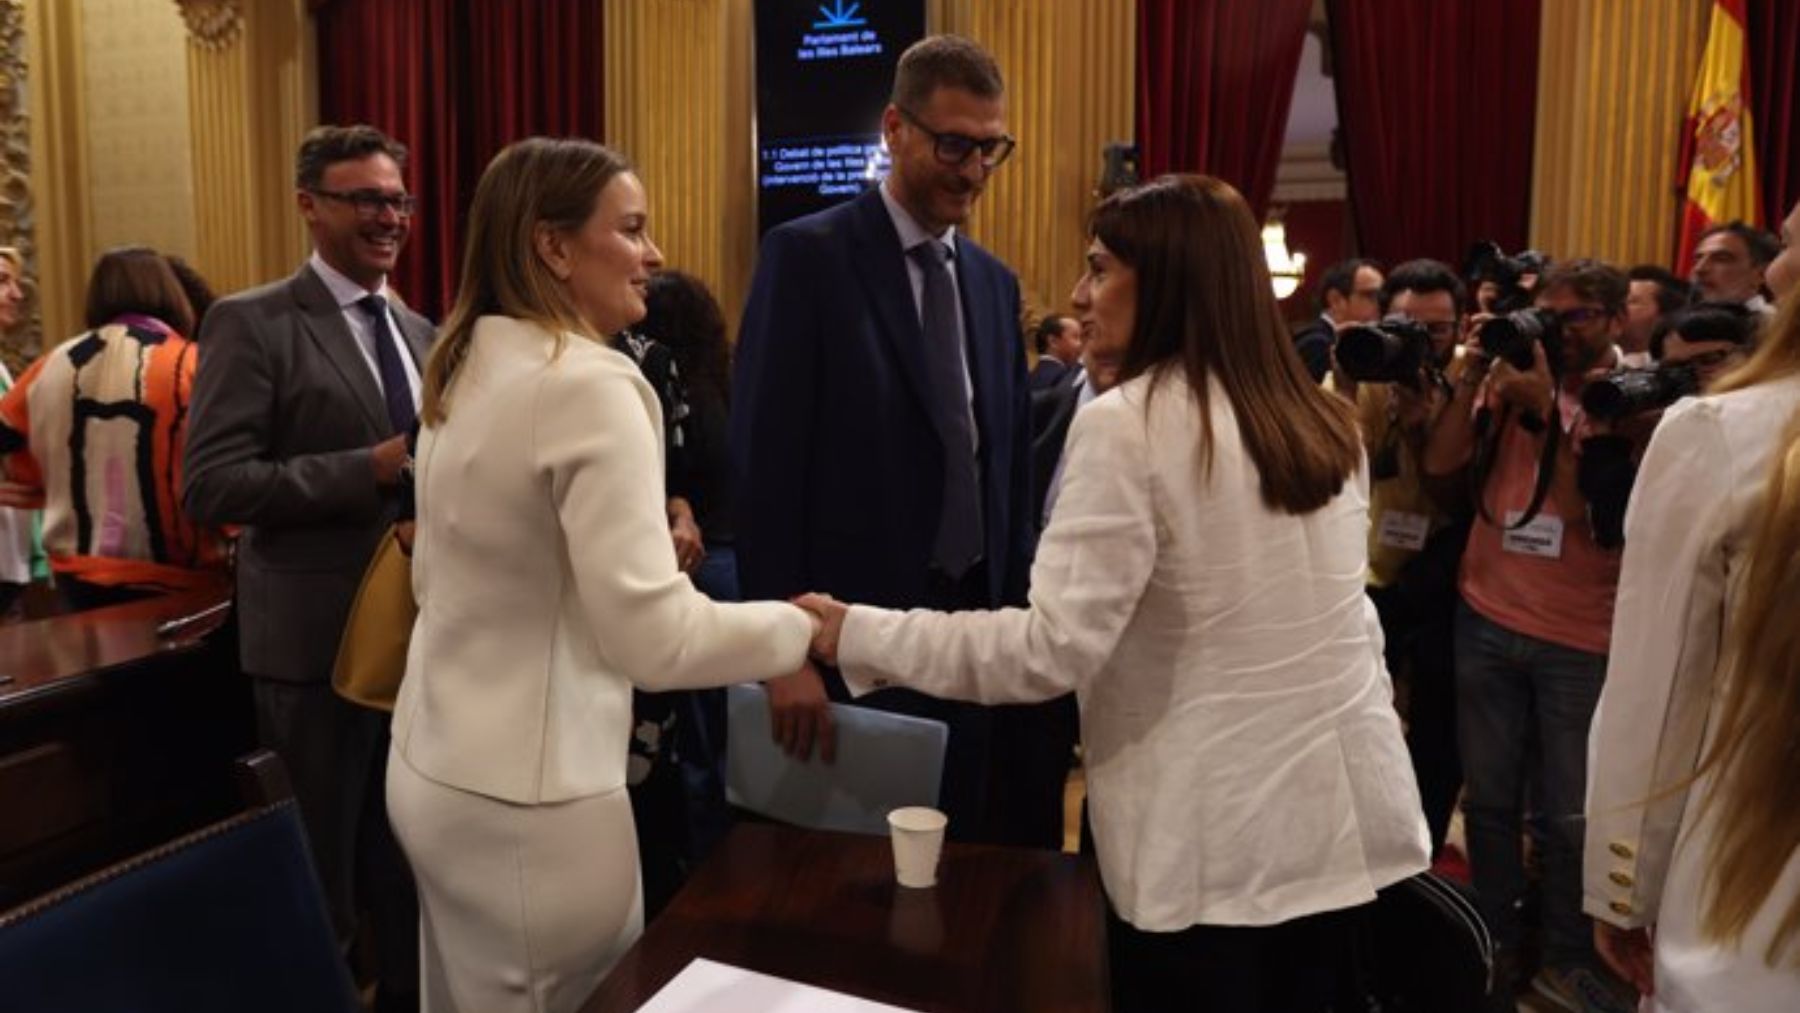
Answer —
884 761
1430 949
228 918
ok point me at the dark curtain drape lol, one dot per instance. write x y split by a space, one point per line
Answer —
456 81
1436 106
1215 79
1774 42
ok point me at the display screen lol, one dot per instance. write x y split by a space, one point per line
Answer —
823 72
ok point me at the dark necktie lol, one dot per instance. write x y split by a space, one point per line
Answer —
959 538
395 390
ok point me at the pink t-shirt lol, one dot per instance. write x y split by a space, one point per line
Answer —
1547 580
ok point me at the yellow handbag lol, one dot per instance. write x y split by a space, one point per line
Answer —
371 657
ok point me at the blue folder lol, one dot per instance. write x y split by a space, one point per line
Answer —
884 761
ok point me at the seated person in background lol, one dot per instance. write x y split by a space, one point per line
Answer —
1059 344
1349 293
1730 262
1416 529
1692 867
1655 293
97 427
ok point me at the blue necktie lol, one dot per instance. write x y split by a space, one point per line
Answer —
395 390
959 535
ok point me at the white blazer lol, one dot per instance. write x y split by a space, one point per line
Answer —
1245 765
1697 499
546 579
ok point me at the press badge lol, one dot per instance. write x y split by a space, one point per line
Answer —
1543 537
1402 530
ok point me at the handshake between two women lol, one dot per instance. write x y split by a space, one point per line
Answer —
799 708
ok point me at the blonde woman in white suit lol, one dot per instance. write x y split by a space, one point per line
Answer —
547 587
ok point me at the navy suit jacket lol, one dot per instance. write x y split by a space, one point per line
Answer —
838 465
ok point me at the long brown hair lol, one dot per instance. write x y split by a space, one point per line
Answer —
1755 751
136 279
1205 306
537 180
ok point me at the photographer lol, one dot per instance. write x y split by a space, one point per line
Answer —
1535 621
1655 295
1398 374
1349 293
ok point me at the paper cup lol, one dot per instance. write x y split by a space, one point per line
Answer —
918 836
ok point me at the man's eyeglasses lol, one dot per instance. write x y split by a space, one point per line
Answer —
1581 315
371 203
954 149
1440 328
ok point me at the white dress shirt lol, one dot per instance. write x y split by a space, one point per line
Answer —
546 580
348 293
1697 499
1245 765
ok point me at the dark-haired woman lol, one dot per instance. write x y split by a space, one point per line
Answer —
1199 588
98 426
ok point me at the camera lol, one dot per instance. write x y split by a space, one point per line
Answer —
1392 351
1485 261
1630 391
1510 336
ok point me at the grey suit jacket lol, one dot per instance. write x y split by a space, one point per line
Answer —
284 412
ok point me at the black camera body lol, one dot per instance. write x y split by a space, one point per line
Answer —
1509 337
1485 261
1630 391
1395 350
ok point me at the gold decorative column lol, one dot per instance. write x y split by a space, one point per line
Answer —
252 95
1613 84
1070 68
52 219
678 104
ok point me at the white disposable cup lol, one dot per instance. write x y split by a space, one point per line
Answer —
918 835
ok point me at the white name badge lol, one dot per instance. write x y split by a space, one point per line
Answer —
1543 537
1401 530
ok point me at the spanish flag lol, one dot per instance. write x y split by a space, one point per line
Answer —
1718 147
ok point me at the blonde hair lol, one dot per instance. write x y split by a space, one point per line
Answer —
1755 752
1777 352
539 180
12 256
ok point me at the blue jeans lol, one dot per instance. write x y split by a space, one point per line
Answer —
1509 685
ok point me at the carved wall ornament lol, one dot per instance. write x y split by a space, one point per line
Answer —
16 221
213 24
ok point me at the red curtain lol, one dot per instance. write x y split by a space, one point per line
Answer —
1215 79
1774 41
456 81
1436 107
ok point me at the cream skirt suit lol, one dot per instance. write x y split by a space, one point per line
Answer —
547 589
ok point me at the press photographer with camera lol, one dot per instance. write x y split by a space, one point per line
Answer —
1399 373
1535 621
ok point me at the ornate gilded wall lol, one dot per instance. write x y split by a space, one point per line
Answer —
1613 84
16 213
679 101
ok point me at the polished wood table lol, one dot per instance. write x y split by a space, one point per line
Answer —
1004 929
114 737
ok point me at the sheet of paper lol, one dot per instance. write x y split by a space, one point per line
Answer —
884 761
708 987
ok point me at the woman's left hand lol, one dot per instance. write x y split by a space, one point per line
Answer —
690 547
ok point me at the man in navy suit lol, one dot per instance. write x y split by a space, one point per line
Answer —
881 436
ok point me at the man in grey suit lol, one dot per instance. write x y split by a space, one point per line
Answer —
306 391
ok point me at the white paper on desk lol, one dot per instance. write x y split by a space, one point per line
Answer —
706 987
884 761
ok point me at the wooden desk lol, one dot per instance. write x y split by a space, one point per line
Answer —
113 739
1004 929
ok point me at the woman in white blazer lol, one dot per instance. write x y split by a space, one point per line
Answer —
547 587
1693 821
1200 588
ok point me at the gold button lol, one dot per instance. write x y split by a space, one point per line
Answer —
1620 848
1620 878
1619 907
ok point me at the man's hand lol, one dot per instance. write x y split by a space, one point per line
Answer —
20 496
1416 405
388 456
690 548
830 614
1630 953
1531 390
800 715
404 531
